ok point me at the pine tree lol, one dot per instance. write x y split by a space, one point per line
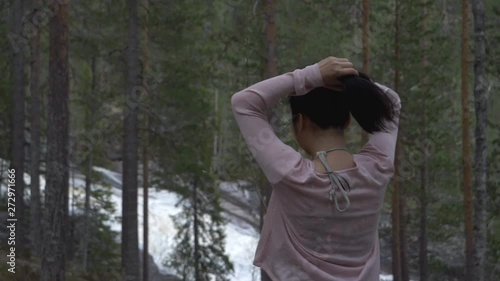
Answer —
479 247
396 193
35 204
200 253
18 135
145 154
56 191
130 235
90 119
181 122
466 158
424 170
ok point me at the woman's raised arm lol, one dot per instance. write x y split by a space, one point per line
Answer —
274 157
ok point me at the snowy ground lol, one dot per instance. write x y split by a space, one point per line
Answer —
240 243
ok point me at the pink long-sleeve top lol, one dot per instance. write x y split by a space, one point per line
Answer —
304 236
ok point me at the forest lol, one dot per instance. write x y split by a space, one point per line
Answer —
118 140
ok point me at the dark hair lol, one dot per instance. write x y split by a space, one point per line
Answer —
361 97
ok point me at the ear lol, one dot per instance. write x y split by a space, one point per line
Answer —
348 122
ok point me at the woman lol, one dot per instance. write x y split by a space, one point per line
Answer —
322 219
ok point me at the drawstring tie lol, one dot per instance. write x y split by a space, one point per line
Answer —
335 179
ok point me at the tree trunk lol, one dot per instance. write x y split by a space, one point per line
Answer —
366 51
196 233
70 231
145 171
480 165
424 171
56 190
271 70
130 235
403 215
18 139
217 137
403 212
396 242
36 218
88 174
396 209
400 250
466 157
423 241
145 159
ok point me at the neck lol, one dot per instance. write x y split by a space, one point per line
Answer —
327 141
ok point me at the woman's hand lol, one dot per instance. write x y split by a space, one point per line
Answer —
332 68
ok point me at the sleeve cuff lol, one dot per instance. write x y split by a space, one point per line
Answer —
307 79
314 76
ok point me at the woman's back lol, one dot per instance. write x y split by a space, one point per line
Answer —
317 226
303 226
